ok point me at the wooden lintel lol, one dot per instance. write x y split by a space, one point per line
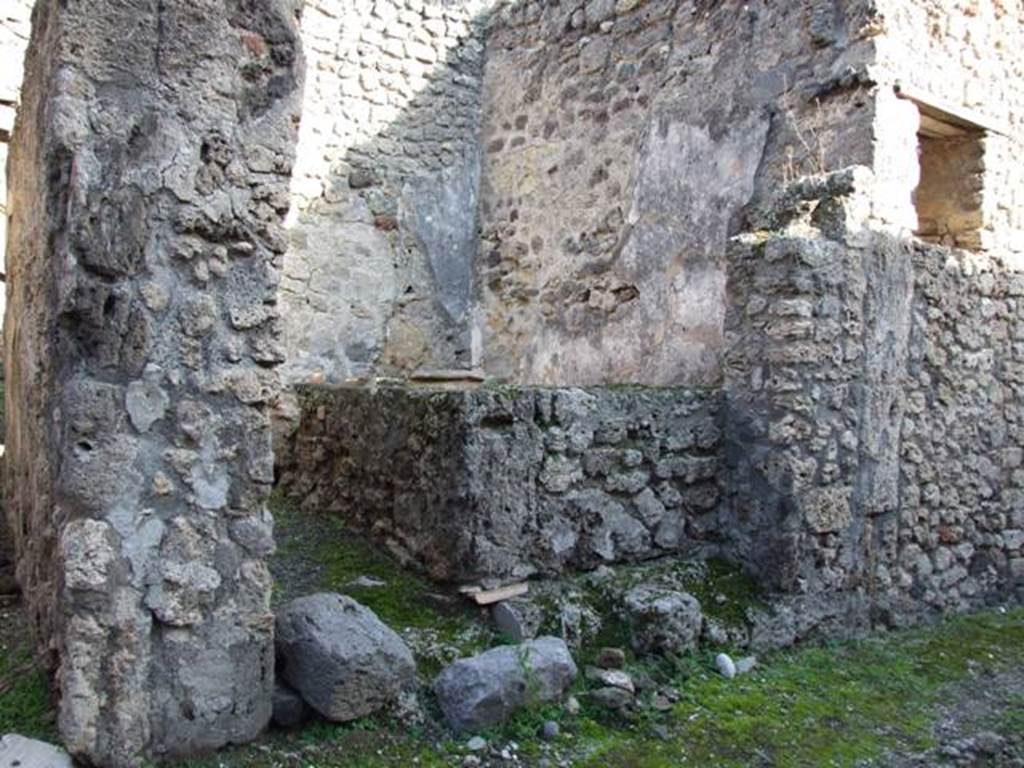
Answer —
955 115
443 375
938 129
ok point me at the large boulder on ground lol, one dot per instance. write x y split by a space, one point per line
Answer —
663 620
342 659
484 690
16 750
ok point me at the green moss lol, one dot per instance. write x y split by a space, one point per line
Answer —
725 592
369 743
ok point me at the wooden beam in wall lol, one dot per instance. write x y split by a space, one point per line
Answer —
943 119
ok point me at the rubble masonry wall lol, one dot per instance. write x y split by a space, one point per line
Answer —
872 407
504 483
712 201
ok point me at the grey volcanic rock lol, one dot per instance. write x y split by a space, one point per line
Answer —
342 659
486 689
289 708
550 730
519 619
612 678
16 750
612 697
725 666
745 665
611 658
663 620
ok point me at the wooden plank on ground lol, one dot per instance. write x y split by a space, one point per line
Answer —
491 596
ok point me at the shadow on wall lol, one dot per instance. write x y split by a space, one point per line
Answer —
620 148
383 232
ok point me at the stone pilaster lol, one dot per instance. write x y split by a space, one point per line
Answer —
148 180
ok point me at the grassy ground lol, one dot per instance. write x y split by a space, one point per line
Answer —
24 695
839 705
856 703
845 704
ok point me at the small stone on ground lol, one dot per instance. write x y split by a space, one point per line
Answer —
725 666
615 699
550 730
17 750
614 678
289 708
611 658
663 620
744 665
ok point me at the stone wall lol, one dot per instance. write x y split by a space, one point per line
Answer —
621 142
871 409
383 229
15 27
714 199
961 534
868 470
966 54
501 484
872 382
149 177
817 341
610 268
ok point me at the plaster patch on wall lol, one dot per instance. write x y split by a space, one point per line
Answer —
440 210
